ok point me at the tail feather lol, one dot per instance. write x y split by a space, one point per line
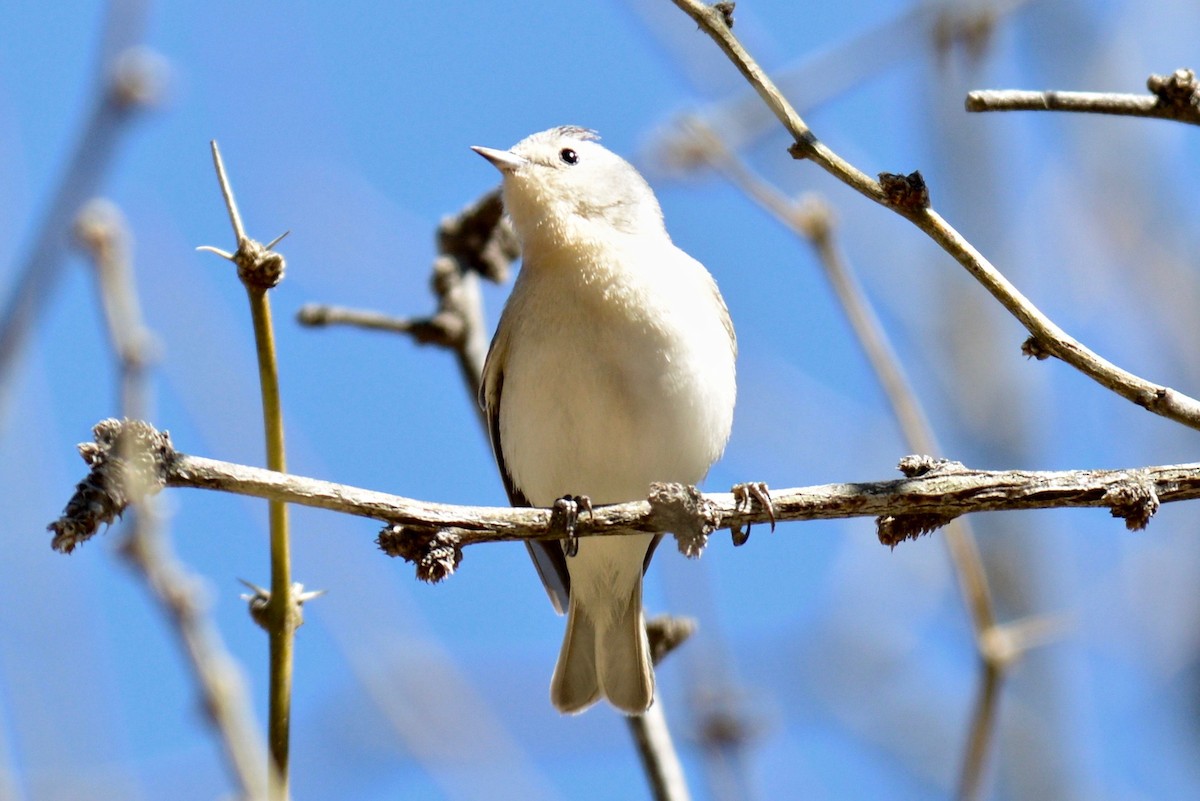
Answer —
575 686
626 677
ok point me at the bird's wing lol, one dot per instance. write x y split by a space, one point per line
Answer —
547 555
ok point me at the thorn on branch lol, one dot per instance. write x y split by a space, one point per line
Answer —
1135 501
686 513
916 465
436 553
1179 91
666 633
905 192
259 266
260 599
1035 348
130 460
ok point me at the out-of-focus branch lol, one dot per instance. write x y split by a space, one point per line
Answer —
656 750
131 81
812 220
828 73
909 197
1174 97
476 241
932 493
650 732
101 230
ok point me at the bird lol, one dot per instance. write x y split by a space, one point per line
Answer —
612 367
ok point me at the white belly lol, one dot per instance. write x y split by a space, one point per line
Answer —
602 403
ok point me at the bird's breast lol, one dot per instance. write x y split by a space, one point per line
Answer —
613 380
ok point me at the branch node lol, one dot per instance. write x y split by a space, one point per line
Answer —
258 266
259 602
916 465
895 529
804 146
1179 91
436 552
906 193
1135 501
130 460
725 9
813 217
666 633
1035 348
684 511
138 78
480 239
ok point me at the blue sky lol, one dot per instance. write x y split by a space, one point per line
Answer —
349 125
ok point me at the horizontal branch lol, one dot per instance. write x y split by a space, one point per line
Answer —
1174 97
932 493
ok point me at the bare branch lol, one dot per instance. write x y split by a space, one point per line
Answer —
101 230
656 750
903 506
131 81
1156 398
476 241
260 269
812 220
1174 97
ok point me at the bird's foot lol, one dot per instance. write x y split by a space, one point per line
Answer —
745 496
564 518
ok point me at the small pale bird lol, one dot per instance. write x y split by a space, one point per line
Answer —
612 368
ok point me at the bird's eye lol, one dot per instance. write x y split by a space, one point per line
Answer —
568 155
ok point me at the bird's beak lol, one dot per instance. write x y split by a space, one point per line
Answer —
502 160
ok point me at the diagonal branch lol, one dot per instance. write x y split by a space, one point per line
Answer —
132 80
908 197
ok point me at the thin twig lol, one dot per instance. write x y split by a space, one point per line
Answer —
928 496
131 81
315 315
101 230
1047 338
1173 97
476 241
261 269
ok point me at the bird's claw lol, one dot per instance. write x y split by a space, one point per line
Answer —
564 519
745 496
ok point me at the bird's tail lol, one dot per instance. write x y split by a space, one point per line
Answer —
610 661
